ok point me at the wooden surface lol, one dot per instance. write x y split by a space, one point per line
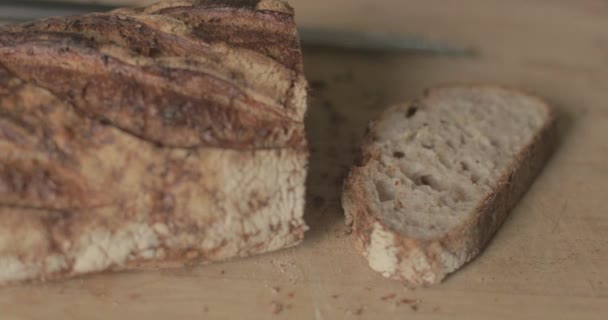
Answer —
550 260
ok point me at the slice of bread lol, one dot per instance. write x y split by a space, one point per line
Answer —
437 177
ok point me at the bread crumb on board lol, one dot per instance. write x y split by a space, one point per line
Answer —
388 297
287 267
359 311
276 307
413 303
407 301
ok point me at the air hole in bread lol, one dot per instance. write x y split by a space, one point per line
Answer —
385 191
444 160
428 180
464 166
411 111
450 144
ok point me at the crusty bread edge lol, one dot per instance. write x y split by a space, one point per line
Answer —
292 235
427 262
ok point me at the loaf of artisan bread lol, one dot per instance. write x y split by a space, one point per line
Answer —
150 137
437 177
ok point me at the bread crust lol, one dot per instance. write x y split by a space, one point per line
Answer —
143 73
148 137
428 261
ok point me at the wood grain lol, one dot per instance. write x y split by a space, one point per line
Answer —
550 260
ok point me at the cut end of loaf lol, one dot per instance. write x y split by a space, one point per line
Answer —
439 176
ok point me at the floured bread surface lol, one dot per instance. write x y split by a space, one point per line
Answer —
150 137
439 174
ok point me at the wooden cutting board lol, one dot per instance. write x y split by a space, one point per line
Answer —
550 260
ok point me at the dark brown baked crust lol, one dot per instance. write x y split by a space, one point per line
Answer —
115 67
463 243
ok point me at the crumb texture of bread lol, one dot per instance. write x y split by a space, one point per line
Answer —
439 175
150 136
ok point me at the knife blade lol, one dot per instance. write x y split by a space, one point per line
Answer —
27 10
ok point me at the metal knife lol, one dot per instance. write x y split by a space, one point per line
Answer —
26 10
